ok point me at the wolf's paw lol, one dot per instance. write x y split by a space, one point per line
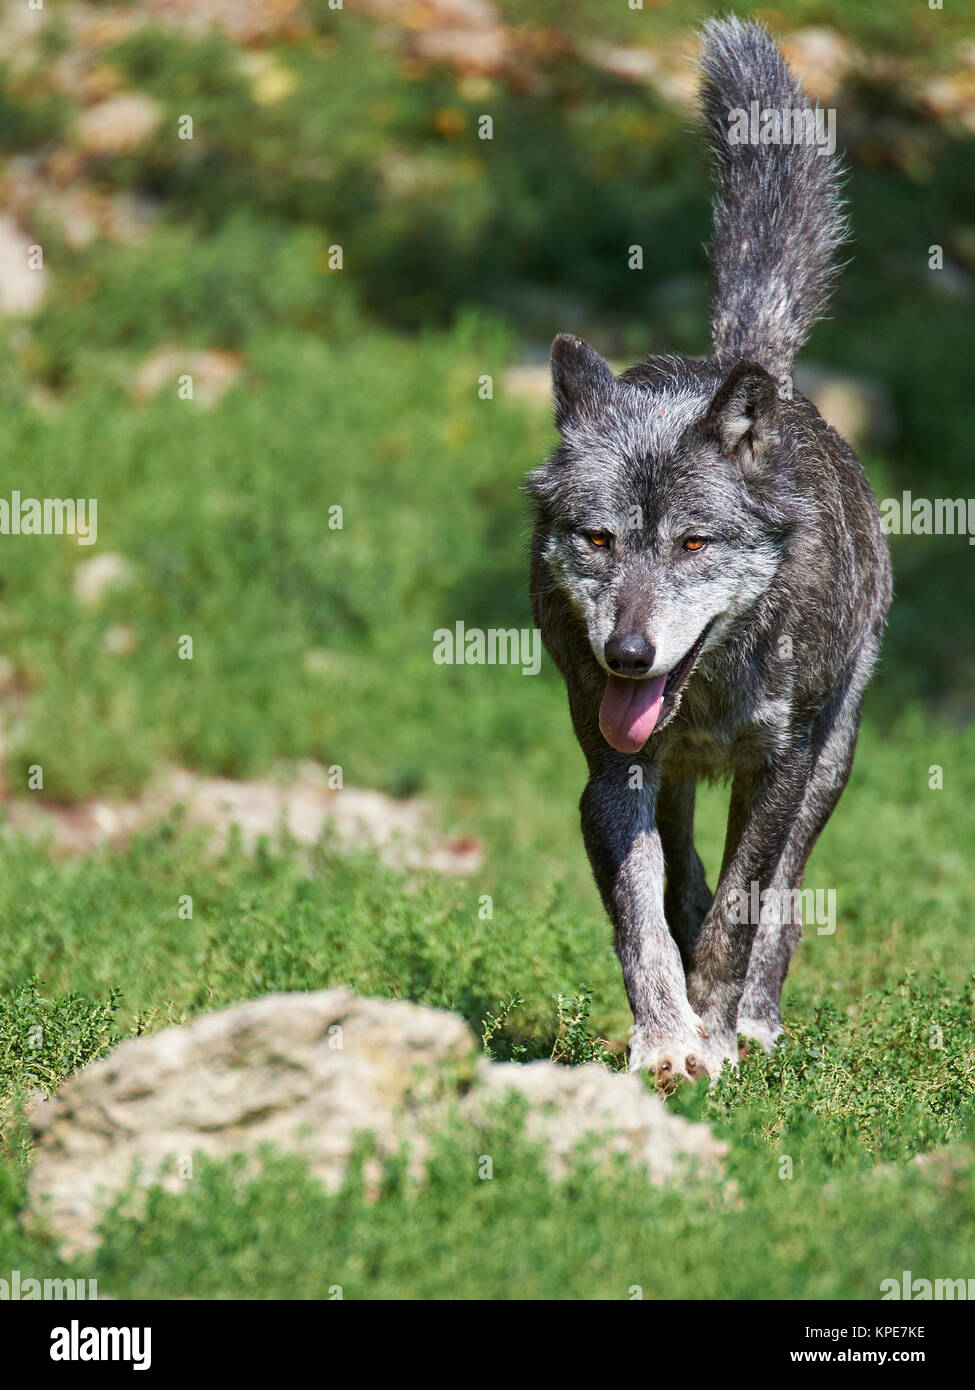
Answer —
717 1055
763 1033
721 1045
680 1056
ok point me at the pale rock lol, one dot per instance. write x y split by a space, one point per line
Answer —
309 1074
120 125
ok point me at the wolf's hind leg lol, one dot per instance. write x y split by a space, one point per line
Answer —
687 897
759 1011
764 808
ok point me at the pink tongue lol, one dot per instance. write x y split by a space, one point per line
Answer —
629 711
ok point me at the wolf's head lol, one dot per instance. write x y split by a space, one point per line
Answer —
659 518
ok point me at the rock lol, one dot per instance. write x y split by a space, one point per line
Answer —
480 51
21 33
858 408
628 64
947 1167
308 1073
820 58
465 35
306 806
669 69
951 96
675 78
120 125
474 14
298 800
244 21
213 372
22 289
119 640
51 191
532 381
95 577
568 1105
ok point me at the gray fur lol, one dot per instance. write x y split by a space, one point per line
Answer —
773 626
778 215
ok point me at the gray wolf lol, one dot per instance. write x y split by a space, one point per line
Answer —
710 575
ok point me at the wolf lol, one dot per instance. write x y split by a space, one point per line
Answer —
710 575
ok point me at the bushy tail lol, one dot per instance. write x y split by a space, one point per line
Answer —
778 214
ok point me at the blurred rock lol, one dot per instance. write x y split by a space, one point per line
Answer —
858 408
320 662
820 58
948 1167
676 78
628 64
21 32
22 290
52 192
212 372
951 96
307 1073
120 125
483 51
95 577
532 381
567 1105
423 14
119 640
465 35
298 802
245 21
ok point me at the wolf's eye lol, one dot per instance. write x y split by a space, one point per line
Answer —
598 538
695 543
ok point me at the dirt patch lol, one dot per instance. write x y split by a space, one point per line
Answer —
298 802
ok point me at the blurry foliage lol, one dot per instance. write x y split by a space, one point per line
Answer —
361 148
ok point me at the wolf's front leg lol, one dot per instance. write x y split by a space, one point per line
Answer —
627 859
764 809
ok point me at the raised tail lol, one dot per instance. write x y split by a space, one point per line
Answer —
778 213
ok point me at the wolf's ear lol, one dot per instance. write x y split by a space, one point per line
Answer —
741 418
581 379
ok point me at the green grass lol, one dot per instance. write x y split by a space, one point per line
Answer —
313 642
520 1235
221 516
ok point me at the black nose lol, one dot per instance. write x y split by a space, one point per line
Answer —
630 655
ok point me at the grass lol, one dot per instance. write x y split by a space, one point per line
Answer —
522 1236
316 642
220 515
